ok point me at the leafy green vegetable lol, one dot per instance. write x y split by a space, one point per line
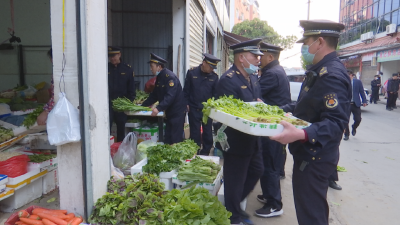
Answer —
164 158
341 169
38 158
194 206
260 113
199 170
30 119
5 134
141 96
124 104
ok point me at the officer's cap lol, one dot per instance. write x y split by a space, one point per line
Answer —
266 47
211 60
395 75
248 46
113 50
323 28
157 59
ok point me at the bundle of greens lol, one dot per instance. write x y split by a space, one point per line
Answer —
164 158
199 170
18 104
5 134
260 113
140 202
38 158
31 118
194 206
124 104
141 96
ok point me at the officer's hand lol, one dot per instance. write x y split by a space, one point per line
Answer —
154 112
365 104
290 134
187 108
42 118
259 100
379 85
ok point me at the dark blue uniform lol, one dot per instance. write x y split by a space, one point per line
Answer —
375 90
275 90
325 102
199 87
243 161
121 83
168 92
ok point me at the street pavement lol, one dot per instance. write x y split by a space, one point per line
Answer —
371 185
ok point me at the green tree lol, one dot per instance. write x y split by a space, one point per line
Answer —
260 29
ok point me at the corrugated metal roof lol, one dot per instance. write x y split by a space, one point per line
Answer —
232 39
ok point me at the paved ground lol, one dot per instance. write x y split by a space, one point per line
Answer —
371 187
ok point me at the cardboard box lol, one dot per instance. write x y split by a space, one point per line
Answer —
22 196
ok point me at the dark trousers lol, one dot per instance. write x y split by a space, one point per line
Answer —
195 122
310 188
174 128
334 176
391 101
120 119
374 96
283 161
241 173
273 158
356 117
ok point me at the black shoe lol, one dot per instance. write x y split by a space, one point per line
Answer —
246 222
353 132
346 137
375 103
334 185
395 107
268 211
244 214
389 109
261 199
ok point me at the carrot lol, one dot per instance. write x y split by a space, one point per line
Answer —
76 221
51 213
31 221
48 222
40 210
34 217
70 216
23 214
20 223
53 219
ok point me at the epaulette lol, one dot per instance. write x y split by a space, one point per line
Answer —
323 71
126 64
192 68
230 74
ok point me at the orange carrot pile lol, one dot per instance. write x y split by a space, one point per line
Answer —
41 216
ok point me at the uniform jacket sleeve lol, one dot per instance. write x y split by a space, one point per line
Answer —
151 99
186 88
362 92
170 96
214 87
289 107
131 86
332 121
268 82
226 87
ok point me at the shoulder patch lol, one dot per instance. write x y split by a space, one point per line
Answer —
331 101
323 71
166 75
171 83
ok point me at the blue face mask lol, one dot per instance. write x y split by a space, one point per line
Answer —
307 56
158 72
252 69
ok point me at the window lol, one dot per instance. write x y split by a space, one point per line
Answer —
388 5
395 4
369 12
381 9
375 10
395 17
374 25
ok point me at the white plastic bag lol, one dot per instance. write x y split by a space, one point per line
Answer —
115 172
63 123
124 159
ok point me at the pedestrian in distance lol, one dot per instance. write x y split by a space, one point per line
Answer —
355 104
200 85
392 92
121 83
324 101
275 90
375 86
243 164
168 92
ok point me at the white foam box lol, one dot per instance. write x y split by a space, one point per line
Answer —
26 179
213 188
247 126
3 179
2 188
6 194
50 181
40 141
221 198
22 196
42 165
214 159
142 113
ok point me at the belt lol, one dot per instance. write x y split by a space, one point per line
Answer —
351 103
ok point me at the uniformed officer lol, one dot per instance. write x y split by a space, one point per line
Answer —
243 160
121 83
324 101
168 92
375 85
275 90
200 85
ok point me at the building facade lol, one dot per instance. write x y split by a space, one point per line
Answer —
242 10
370 42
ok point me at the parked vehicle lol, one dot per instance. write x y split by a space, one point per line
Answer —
296 77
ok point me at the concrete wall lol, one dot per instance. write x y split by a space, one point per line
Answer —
33 27
178 38
388 68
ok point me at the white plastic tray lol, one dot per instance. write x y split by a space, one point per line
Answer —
142 113
246 126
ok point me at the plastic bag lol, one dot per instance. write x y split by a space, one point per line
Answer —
63 123
124 159
142 147
14 166
115 172
114 148
150 84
